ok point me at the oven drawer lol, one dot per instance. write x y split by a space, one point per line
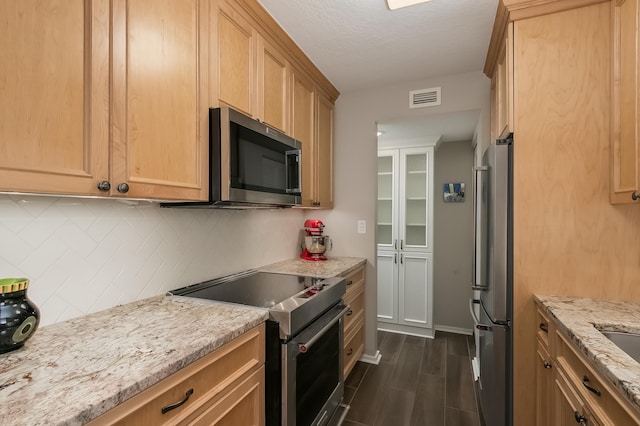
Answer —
198 384
353 345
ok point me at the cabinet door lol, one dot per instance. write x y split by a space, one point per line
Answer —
273 86
236 62
544 381
303 120
415 290
324 153
160 106
625 187
387 286
54 96
416 199
387 229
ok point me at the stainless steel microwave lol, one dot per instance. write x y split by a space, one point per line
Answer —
251 164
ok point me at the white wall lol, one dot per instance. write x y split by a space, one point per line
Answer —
85 255
453 239
356 162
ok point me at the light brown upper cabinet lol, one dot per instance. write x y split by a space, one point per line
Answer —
323 193
54 96
625 152
65 131
502 88
235 82
252 73
273 86
312 124
303 121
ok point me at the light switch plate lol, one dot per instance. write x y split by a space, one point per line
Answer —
362 226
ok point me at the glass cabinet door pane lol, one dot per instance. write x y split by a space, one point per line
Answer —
385 200
415 202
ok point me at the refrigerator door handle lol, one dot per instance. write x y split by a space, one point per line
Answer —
478 287
476 321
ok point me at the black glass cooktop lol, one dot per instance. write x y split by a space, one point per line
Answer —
254 288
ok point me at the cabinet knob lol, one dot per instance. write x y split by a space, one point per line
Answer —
580 418
635 196
316 203
123 187
546 364
104 185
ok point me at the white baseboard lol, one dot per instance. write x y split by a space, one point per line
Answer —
406 329
456 330
375 359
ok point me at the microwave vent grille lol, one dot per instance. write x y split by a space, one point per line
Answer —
424 97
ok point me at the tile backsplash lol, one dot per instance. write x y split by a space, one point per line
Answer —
85 255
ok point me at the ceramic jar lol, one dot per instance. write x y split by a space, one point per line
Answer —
19 317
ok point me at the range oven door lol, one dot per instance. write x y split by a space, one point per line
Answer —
312 371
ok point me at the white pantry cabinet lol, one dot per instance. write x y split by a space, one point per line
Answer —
405 239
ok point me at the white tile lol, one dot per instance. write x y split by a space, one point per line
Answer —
41 259
13 249
76 239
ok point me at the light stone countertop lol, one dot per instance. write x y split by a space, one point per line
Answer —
331 267
73 371
581 318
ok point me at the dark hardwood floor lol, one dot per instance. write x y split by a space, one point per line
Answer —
418 382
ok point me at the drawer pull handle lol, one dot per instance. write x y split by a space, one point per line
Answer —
350 352
349 282
546 364
585 382
350 312
168 408
580 418
544 327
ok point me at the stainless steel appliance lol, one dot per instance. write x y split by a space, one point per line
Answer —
494 280
304 363
251 164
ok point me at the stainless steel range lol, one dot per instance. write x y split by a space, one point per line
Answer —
304 367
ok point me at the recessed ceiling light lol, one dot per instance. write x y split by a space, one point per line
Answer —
380 133
397 4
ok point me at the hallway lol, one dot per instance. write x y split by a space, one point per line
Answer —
419 381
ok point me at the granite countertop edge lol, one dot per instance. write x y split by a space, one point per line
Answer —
581 318
332 267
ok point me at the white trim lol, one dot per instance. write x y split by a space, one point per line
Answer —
457 330
429 333
375 359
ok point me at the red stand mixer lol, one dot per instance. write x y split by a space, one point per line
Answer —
315 244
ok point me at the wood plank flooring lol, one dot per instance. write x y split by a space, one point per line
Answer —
426 382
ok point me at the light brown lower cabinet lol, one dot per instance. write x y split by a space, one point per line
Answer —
225 387
569 389
354 320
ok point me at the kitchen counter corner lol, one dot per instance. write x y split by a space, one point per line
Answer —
332 267
73 371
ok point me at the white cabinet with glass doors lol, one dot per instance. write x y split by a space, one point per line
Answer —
404 237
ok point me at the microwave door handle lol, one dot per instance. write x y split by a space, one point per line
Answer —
293 155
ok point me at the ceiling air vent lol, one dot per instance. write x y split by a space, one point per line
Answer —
424 97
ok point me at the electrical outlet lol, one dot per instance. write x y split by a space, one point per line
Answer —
362 226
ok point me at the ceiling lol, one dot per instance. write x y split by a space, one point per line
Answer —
360 44
449 127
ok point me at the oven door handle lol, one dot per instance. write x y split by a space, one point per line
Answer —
304 347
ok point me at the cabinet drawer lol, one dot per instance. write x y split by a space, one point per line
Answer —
542 327
604 401
202 381
353 347
242 405
356 304
355 281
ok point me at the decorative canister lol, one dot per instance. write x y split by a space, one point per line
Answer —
19 317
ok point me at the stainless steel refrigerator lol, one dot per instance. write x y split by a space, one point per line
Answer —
492 310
